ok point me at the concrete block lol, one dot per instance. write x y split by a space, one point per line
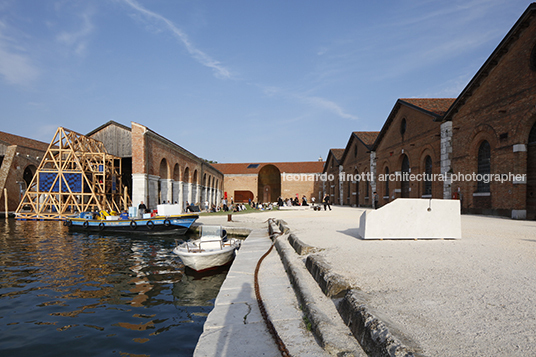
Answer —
168 210
409 218
519 214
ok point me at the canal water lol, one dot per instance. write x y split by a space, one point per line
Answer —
74 294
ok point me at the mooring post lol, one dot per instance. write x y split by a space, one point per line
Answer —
5 197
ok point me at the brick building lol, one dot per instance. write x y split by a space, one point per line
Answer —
157 170
266 182
19 159
486 135
409 143
494 131
356 161
332 185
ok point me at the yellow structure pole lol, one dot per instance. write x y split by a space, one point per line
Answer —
125 203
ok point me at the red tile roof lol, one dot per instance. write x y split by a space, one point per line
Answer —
337 153
438 106
367 137
11 139
289 167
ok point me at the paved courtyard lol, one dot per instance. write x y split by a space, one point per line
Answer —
473 297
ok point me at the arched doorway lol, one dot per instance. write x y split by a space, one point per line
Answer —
531 174
269 184
427 182
186 188
404 192
28 174
162 182
176 183
355 190
267 194
27 177
483 167
386 190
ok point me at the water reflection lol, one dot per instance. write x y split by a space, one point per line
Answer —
199 289
64 293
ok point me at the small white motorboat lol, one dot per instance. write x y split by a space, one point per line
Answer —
211 250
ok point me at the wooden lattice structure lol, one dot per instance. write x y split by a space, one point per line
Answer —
76 175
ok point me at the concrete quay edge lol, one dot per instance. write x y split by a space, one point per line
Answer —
236 231
334 336
372 334
235 326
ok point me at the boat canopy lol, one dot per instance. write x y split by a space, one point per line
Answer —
211 231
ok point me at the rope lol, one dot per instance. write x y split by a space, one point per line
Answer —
278 341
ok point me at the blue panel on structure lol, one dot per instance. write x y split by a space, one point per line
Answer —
45 180
69 180
74 181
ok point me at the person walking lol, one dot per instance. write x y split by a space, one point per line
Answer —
326 202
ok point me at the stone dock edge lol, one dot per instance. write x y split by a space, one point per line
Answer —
368 332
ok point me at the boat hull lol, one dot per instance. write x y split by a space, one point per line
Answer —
177 224
207 259
200 263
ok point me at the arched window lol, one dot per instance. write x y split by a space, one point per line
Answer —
532 134
367 187
484 167
533 59
403 126
386 193
531 174
428 176
405 177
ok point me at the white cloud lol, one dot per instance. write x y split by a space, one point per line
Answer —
315 101
78 39
16 65
198 55
329 106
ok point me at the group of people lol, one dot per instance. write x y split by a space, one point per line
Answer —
289 202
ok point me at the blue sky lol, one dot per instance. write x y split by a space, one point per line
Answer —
237 81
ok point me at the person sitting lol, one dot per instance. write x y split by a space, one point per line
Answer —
142 208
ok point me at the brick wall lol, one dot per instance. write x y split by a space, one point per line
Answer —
17 159
167 164
332 168
498 108
356 163
420 139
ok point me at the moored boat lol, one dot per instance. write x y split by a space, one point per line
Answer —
159 224
211 250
